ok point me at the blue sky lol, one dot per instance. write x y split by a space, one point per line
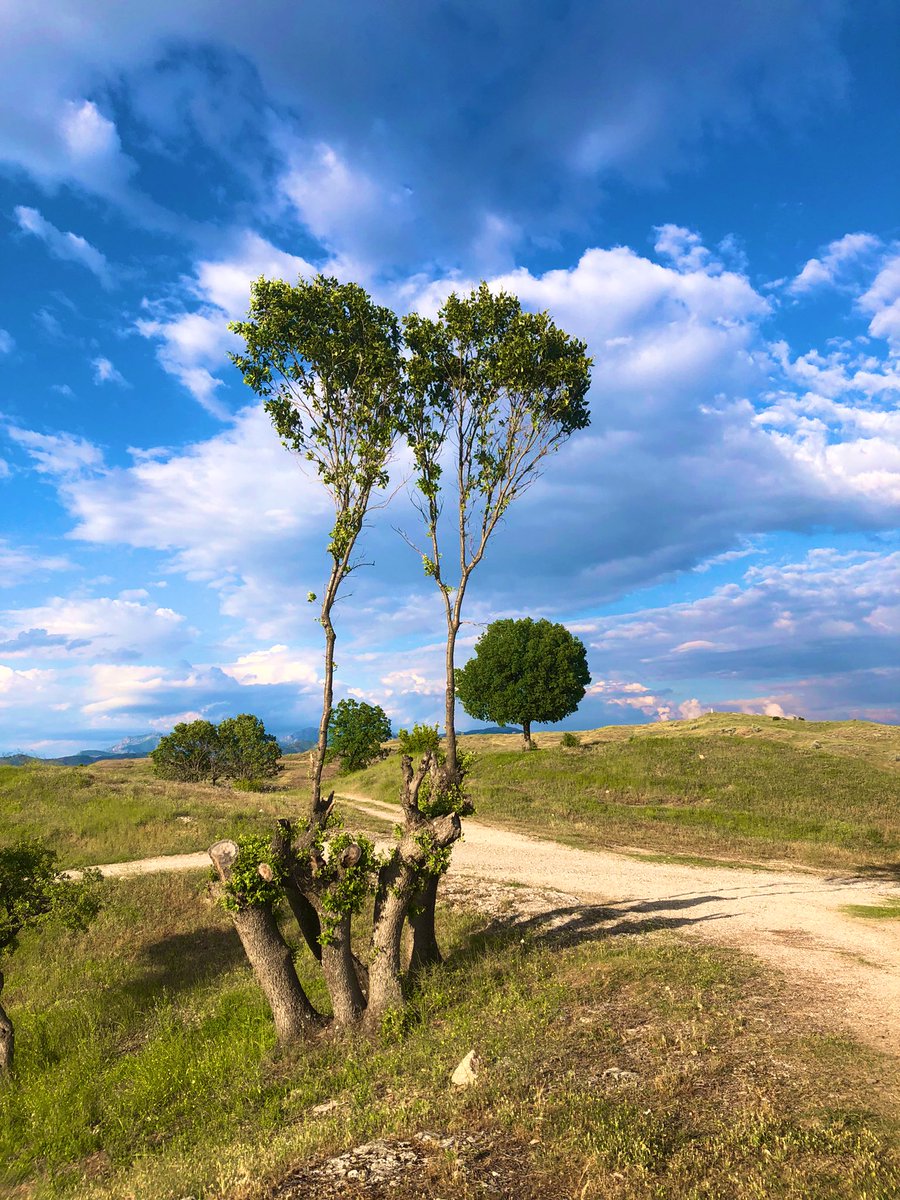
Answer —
707 193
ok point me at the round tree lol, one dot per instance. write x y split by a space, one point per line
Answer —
246 751
190 753
524 671
355 733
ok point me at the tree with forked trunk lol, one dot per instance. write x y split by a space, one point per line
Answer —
500 387
493 391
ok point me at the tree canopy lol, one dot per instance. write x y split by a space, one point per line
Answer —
355 733
493 390
237 748
524 671
326 361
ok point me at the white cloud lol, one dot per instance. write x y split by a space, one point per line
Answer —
69 247
18 564
61 454
882 300
835 263
6 342
278 664
103 627
105 372
193 345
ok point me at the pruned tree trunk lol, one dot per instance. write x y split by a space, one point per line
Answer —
527 743
397 881
395 886
425 950
7 1039
269 956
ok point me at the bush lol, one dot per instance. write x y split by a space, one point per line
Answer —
247 752
419 740
355 733
570 741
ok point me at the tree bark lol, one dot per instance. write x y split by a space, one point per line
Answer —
391 903
527 743
306 917
7 1039
270 957
425 949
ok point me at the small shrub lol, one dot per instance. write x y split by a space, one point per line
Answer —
248 785
570 741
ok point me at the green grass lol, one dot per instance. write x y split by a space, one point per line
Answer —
721 787
117 810
889 911
146 1067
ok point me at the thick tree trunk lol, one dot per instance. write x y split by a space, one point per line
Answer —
425 949
270 957
391 903
339 969
527 743
272 963
7 1039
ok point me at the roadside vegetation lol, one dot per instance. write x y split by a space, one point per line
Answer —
612 1066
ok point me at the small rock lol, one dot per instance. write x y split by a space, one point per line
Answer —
466 1072
327 1106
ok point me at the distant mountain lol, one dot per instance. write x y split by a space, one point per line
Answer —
299 740
134 747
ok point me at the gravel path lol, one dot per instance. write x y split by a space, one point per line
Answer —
850 966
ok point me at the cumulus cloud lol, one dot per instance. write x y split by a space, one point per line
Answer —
193 343
111 628
802 626
840 259
70 247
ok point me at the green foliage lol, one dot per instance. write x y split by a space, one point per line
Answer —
419 740
499 387
440 795
326 361
346 887
570 741
32 891
524 671
190 753
355 733
238 748
246 751
246 886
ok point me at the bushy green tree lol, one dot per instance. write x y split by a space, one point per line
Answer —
32 891
524 671
190 753
246 751
355 733
238 748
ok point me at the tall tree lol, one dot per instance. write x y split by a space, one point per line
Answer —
493 391
326 361
524 671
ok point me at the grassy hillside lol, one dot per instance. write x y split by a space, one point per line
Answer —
725 785
614 1068
117 810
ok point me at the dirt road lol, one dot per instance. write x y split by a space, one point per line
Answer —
847 969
